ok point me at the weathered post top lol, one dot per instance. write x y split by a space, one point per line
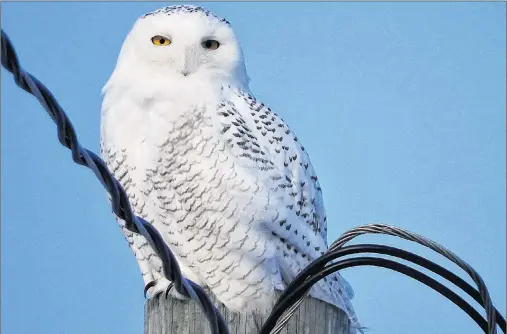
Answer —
173 316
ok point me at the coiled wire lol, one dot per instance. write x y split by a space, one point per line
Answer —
295 292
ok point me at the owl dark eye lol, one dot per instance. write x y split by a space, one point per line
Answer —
210 44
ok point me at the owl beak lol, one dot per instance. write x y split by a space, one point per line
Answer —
188 62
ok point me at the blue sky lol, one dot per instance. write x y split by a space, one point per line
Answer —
401 106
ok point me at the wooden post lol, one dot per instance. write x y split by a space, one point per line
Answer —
173 316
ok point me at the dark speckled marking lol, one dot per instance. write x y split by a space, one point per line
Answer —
178 9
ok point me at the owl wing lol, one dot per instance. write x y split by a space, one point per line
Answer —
265 143
274 150
265 149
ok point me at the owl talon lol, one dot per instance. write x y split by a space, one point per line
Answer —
169 287
171 290
148 286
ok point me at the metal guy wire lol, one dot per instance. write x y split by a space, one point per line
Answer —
404 234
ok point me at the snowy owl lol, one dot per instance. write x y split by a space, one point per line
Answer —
217 172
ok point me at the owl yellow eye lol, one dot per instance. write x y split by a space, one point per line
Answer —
210 44
160 40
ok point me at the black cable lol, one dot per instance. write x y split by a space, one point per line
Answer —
377 262
119 199
318 265
399 232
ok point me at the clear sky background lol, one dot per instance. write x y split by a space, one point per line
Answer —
401 106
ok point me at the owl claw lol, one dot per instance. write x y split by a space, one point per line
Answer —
168 290
148 286
173 293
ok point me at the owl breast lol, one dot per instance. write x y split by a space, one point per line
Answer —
195 177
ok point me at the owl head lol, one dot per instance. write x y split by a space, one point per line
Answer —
184 44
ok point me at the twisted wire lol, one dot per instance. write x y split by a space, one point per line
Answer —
318 265
404 234
119 200
377 262
394 231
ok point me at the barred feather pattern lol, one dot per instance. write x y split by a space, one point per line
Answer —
236 197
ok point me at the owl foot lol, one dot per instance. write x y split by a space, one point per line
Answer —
156 287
